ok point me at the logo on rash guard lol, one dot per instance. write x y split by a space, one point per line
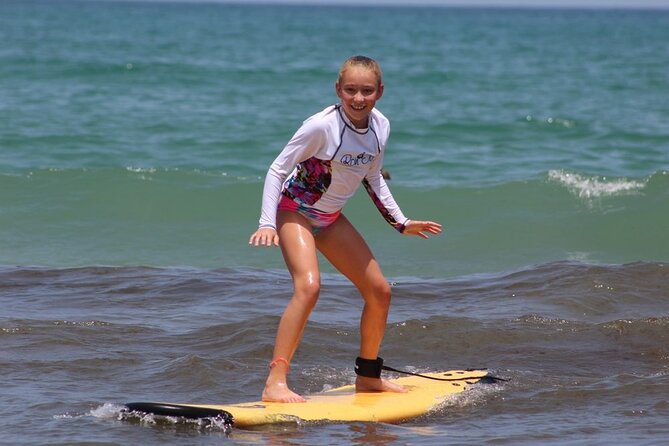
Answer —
350 160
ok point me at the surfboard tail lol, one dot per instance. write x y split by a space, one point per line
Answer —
179 410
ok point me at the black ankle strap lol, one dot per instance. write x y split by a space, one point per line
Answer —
370 368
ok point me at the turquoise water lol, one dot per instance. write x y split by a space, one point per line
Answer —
134 139
139 134
128 217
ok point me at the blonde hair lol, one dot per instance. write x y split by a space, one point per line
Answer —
361 61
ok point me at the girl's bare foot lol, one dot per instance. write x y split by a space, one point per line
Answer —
365 384
280 393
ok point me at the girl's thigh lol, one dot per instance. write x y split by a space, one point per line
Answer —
346 249
298 246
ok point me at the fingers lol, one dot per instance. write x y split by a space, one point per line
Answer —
431 227
423 229
264 237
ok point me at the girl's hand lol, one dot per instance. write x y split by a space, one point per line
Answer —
264 236
422 228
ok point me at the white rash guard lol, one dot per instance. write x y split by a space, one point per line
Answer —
325 161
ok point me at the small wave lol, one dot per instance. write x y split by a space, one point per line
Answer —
93 323
141 169
475 396
595 186
654 328
14 330
554 121
107 411
558 324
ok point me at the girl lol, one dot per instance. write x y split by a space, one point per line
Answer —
305 190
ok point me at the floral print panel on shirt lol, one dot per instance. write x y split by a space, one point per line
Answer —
312 179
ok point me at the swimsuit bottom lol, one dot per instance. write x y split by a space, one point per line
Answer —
317 219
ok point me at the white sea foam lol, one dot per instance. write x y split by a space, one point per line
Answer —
595 186
141 169
107 411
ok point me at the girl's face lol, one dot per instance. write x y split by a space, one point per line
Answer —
359 89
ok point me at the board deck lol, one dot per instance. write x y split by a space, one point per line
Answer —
343 404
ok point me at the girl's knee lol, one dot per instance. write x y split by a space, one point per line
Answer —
380 294
307 293
383 289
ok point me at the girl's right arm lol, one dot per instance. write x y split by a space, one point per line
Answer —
306 142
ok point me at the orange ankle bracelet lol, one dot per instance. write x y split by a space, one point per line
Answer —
278 360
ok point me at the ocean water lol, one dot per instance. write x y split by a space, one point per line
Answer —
134 139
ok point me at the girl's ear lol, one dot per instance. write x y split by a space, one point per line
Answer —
379 91
338 89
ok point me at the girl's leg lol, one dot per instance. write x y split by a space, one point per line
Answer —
299 252
345 248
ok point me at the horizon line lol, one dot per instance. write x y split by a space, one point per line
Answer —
459 4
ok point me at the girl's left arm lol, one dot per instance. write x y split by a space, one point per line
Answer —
379 192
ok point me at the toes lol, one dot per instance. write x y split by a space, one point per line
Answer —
285 396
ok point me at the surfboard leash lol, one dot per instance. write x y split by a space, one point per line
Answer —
487 378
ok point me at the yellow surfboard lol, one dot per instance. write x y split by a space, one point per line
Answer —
342 404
